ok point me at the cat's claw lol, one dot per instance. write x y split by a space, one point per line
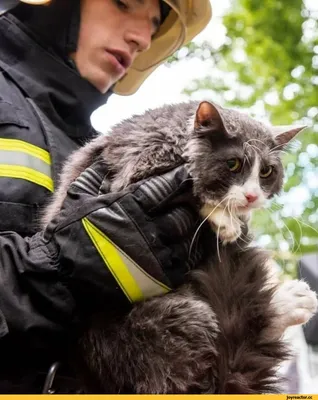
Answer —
294 303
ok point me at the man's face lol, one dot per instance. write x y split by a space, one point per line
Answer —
112 34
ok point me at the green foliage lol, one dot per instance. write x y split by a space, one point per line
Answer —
270 66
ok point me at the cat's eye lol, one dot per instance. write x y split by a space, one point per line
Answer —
266 171
234 164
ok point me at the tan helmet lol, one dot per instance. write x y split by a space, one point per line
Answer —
186 19
35 2
7 5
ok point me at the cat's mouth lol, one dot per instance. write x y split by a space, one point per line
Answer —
248 207
244 209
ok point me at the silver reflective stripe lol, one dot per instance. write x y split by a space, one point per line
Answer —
19 158
23 160
147 284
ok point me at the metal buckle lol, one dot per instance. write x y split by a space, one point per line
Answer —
47 388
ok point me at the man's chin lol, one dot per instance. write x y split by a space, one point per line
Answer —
102 85
99 80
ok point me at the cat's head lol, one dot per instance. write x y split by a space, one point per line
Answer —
234 160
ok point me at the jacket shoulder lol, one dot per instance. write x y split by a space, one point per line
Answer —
25 162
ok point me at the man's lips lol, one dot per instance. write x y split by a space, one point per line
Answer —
123 57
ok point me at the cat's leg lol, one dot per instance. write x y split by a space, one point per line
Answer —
226 226
293 304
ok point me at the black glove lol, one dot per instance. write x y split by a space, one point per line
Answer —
126 246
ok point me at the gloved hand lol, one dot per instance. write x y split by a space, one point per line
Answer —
126 246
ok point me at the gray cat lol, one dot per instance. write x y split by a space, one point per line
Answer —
221 332
234 160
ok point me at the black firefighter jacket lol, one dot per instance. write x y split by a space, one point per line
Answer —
45 110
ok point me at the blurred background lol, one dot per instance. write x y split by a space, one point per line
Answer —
260 57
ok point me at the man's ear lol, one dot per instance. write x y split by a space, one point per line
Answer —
284 134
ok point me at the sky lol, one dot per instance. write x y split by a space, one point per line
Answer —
165 85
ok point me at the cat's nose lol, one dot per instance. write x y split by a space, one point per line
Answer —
251 197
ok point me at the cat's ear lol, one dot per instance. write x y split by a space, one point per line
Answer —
208 116
284 134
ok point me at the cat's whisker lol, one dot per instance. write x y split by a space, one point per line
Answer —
278 151
243 235
233 207
276 205
289 232
255 148
274 148
301 234
246 159
200 226
242 238
231 217
231 213
256 140
218 243
299 222
244 241
303 223
218 230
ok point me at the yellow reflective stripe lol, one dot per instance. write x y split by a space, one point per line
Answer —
25 147
132 279
29 174
113 261
22 160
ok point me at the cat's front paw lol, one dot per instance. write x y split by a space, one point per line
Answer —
294 303
229 233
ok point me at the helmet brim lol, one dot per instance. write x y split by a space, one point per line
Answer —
186 19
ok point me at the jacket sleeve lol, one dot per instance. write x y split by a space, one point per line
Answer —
33 301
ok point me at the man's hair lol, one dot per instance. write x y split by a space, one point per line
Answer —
164 10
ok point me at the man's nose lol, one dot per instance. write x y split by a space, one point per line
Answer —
139 37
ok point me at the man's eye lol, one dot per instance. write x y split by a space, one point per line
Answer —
121 4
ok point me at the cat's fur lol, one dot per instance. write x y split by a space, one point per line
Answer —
221 332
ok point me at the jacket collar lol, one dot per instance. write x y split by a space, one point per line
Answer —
57 88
